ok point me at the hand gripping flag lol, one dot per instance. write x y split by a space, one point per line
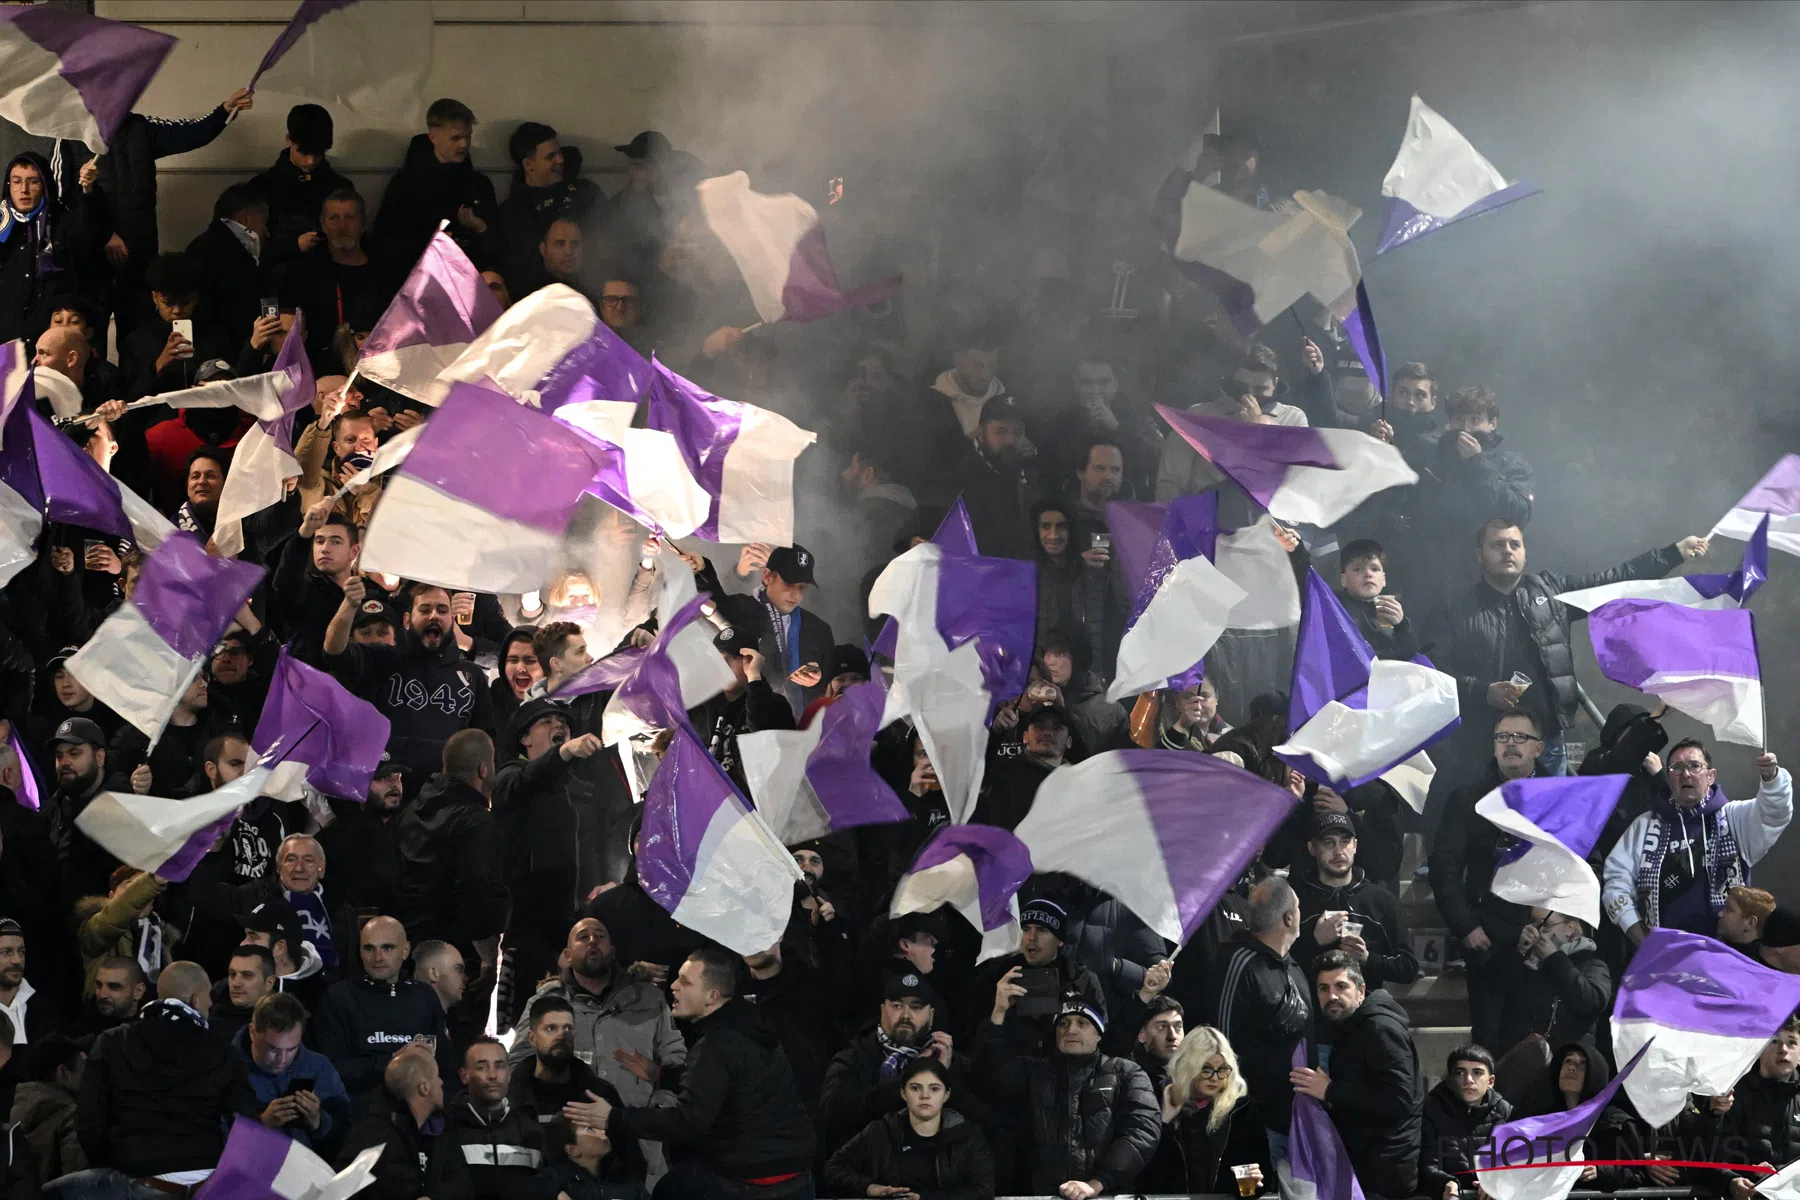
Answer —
976 869
168 837
369 56
1701 661
1356 717
443 306
1528 1159
312 721
1179 829
1554 824
1317 1166
1731 590
260 1163
142 658
1437 179
64 74
814 781
1180 601
1699 1012
264 459
1775 496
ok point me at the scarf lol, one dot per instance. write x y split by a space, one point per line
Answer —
897 1057
149 945
173 1010
787 636
1722 865
315 924
13 221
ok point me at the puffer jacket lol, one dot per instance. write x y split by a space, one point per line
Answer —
957 1166
854 1094
1376 1095
1452 1132
1765 1113
45 1113
1265 1007
1561 997
1108 939
632 1015
504 1150
1090 1116
451 883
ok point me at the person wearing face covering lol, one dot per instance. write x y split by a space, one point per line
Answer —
40 233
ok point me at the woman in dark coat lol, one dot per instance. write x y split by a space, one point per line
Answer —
929 1149
1576 1074
1210 1125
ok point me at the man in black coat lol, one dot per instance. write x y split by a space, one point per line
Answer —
1561 985
1340 909
296 187
437 183
502 1142
1459 1114
1023 1004
795 643
989 476
1265 1007
421 1156
1373 1091
230 254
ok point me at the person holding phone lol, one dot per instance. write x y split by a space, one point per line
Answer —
1021 991
795 642
302 1094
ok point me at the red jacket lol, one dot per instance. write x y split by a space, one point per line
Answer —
170 443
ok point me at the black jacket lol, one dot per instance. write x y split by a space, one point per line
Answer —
1028 1034
626 1162
1461 868
737 1113
1452 1132
555 819
801 1004
415 1161
855 1094
517 228
451 884
159 1092
1562 998
1265 1007
1376 1095
1398 641
235 282
1628 736
954 1165
360 1023
996 499
295 200
1194 1159
1616 1133
41 258
20 1181
424 192
1766 1114
427 695
504 1151
1384 929
1456 494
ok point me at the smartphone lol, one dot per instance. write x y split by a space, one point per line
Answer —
271 307
1102 541
299 1085
88 546
1043 991
185 327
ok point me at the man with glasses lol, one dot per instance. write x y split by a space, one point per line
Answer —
1561 984
1675 865
1462 875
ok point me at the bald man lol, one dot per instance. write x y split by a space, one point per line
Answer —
365 1018
159 1092
427 1157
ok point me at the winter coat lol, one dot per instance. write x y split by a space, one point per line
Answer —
955 1165
1265 1007
360 1023
39 255
1194 1159
555 820
427 696
114 930
1562 997
451 885
1629 735
627 1159
424 192
1111 941
296 199
416 1161
235 281
995 497
1377 1095
1616 1133
22 1173
574 1180
45 1113
1461 868
1396 642
1384 929
855 1094
159 1092
1452 1132
1456 494
1764 1112
504 1150
631 1015
327 1085
1029 1034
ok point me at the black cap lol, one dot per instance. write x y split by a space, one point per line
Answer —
1329 821
389 765
1001 408
792 563
847 660
309 128
734 639
1048 711
60 657
78 731
213 370
529 714
375 612
909 983
233 637
527 138
911 925
271 916
648 145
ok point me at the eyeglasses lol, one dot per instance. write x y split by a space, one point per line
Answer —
1519 739
1688 768
1211 1072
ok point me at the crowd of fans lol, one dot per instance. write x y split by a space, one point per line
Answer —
338 970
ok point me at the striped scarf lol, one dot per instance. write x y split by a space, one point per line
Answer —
1721 859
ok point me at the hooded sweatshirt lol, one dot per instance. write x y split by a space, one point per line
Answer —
33 261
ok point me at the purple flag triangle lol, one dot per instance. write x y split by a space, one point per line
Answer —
1752 572
444 302
850 790
189 597
300 388
316 721
1256 457
1331 656
1316 1154
954 535
1571 809
106 64
1549 1140
1002 865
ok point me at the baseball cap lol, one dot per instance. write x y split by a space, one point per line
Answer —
1048 711
648 145
909 983
78 731
389 765
1047 913
1076 1006
792 563
1001 408
847 660
60 657
529 714
734 638
213 370
374 612
1333 822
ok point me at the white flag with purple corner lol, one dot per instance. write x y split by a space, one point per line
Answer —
1254 559
142 658
264 459
64 74
1180 601
1703 662
1553 823
1703 1012
814 781
260 1163
1300 474
1437 179
652 688
779 246
548 350
439 311
977 870
708 860
167 837
484 500
1538 1158
1180 828
1731 590
370 56
1775 496
1317 1166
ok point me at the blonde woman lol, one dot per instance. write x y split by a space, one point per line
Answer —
1209 1123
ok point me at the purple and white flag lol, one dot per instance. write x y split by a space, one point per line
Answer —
1254 558
1355 717
653 688
439 311
1527 1159
484 500
168 837
976 869
778 244
1700 661
814 781
955 534
1783 1184
548 350
260 1163
264 459
369 56
1437 179
313 721
741 455
64 74
1180 601
1702 1011
1179 830
1317 1166
1554 823
1300 474
706 858
27 795
1731 590
644 474
143 657
1775 496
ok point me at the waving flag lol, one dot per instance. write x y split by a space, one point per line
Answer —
1179 830
681 669
370 56
814 781
779 245
1180 601
264 459
548 350
443 306
26 794
954 535
309 718
64 74
1693 591
1555 822
1317 1166
1302 474
1783 1184
484 499
743 456
260 1163
1702 1011
1355 717
706 859
1776 496
143 657
1255 559
976 869
1525 1159
643 474
167 837
1437 179
1702 662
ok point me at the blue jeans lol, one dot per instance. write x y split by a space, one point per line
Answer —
1555 758
99 1183
1278 1147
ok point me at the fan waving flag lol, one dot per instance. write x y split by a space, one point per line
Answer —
1554 823
1529 1159
64 74
310 719
260 1163
370 56
1356 717
1437 179
1179 830
548 350
1311 476
1701 661
142 658
167 837
443 306
1317 1166
1180 601
264 459
1731 590
779 246
1700 1013
954 535
706 859
814 781
1776 497
977 870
